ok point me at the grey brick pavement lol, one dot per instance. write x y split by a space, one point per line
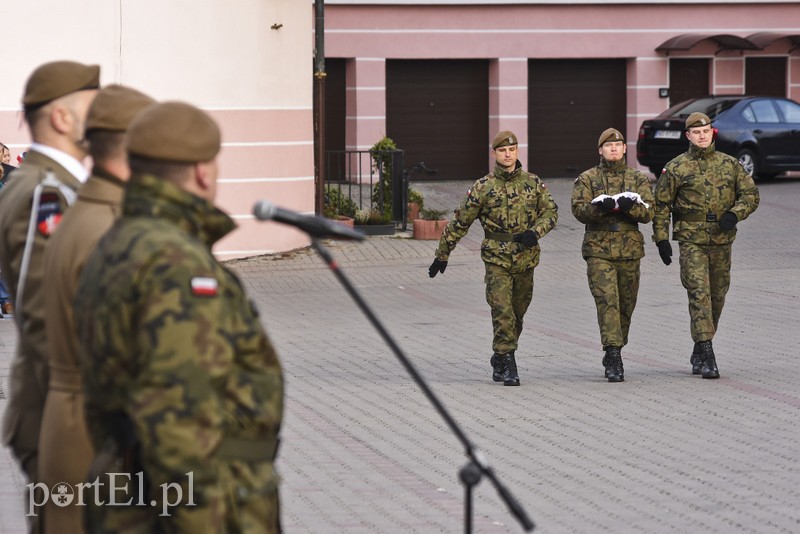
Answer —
363 451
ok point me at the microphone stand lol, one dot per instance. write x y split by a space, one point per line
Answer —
477 466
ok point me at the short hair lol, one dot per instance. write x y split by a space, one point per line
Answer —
105 144
166 170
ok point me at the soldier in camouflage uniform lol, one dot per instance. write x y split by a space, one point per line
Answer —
181 381
611 200
516 210
707 193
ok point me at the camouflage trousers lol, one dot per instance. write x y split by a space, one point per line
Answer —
508 295
706 275
615 287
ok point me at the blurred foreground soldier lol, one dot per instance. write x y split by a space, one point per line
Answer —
56 98
516 210
707 193
611 200
183 388
65 450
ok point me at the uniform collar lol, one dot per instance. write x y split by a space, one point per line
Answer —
613 165
72 165
701 153
503 174
149 196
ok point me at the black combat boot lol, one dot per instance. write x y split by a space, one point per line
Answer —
510 376
709 369
696 359
498 367
614 370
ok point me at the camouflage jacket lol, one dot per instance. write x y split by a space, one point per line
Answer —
600 241
169 339
505 203
697 188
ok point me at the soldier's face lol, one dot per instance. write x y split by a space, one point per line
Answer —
613 150
700 136
506 156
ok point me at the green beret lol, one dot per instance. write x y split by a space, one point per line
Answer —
57 79
175 132
504 138
697 119
114 107
610 134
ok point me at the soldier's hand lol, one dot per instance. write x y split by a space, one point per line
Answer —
728 221
438 266
607 205
527 238
665 251
625 204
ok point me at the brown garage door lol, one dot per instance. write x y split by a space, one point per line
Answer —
437 111
570 103
688 78
765 76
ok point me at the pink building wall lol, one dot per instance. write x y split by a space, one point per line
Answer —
508 35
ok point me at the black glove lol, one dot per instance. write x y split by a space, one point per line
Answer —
607 205
728 221
625 204
527 238
665 251
438 266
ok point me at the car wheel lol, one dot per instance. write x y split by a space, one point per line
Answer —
748 160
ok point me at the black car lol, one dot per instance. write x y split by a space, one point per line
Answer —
763 133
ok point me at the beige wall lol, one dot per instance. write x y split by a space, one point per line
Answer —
221 56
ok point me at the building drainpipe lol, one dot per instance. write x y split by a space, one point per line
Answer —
319 106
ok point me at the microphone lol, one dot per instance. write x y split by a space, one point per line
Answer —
314 226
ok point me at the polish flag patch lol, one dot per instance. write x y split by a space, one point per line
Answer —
204 287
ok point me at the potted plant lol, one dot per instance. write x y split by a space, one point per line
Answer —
339 207
415 204
374 222
430 225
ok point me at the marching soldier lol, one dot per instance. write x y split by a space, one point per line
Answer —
707 193
611 199
182 384
516 211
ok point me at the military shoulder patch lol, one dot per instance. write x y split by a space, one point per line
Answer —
49 215
204 286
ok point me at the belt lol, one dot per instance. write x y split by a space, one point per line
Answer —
498 236
248 449
695 217
613 227
65 378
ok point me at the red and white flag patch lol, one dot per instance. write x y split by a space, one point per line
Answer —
49 215
204 286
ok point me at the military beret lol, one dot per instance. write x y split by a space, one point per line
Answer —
610 134
504 138
697 119
174 131
57 79
114 107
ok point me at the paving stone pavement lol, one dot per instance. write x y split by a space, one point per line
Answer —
363 450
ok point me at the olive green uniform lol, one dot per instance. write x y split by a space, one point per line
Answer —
505 203
696 189
173 349
612 245
29 371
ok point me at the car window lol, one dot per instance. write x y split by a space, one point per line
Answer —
762 111
711 106
790 110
